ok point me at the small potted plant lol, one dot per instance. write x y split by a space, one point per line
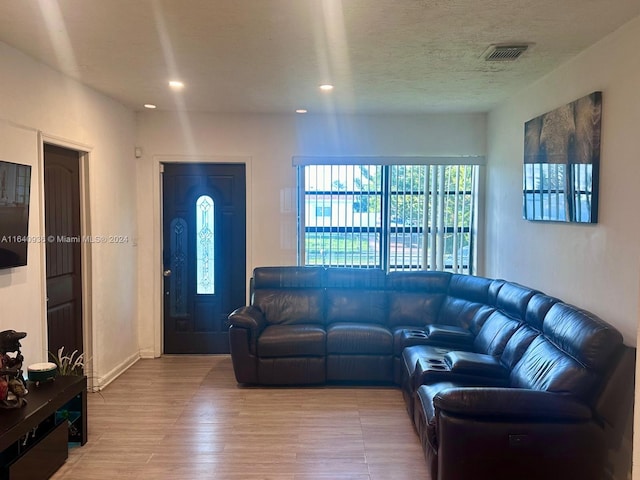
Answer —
68 365
72 364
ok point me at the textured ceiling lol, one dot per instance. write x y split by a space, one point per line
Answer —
394 56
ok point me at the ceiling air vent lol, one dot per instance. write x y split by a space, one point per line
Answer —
504 53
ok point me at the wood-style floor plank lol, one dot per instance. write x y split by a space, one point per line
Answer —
184 417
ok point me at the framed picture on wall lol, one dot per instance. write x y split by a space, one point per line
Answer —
562 162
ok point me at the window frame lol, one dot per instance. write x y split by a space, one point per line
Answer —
386 229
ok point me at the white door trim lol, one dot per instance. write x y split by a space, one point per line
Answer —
158 160
85 231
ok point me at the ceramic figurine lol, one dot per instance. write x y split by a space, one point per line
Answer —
12 385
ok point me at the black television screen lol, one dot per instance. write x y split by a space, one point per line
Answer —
15 189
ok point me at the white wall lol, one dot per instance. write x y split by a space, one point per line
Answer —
596 267
593 266
37 101
268 143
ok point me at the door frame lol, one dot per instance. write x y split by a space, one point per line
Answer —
84 152
158 264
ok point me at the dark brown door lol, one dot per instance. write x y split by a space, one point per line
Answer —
63 248
204 254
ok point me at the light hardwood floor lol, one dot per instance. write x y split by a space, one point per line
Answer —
185 418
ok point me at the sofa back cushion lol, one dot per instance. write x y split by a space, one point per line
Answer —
464 313
513 299
545 367
582 335
415 298
495 333
288 277
537 308
479 317
494 289
573 353
466 302
468 287
290 306
289 295
419 281
358 278
517 345
353 305
356 295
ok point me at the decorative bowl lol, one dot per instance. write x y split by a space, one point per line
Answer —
41 372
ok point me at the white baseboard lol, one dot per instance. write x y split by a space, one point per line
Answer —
147 353
100 383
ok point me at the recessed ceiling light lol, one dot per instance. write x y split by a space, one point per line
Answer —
176 84
149 105
326 87
301 110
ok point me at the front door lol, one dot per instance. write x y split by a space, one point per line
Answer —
204 240
63 248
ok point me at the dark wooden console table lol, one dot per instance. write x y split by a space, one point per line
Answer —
34 439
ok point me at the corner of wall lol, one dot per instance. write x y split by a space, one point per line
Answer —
100 383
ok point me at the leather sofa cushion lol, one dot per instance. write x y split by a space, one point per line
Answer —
466 314
494 289
359 338
545 367
290 306
582 335
288 277
517 345
513 299
470 288
356 305
495 333
537 309
292 341
356 278
419 281
414 308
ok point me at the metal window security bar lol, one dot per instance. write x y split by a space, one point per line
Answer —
407 213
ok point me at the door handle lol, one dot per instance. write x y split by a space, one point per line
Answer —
166 273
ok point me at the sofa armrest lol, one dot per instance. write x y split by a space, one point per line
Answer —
448 334
476 364
248 317
512 404
246 325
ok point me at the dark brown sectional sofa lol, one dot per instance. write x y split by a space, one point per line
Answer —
501 381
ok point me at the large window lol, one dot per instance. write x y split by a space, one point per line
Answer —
390 216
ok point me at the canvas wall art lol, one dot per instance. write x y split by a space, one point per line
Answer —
562 161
